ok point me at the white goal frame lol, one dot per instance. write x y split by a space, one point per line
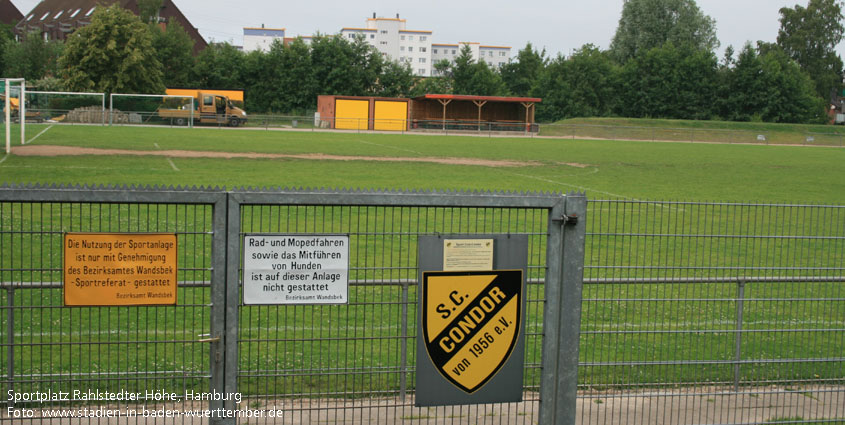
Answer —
8 109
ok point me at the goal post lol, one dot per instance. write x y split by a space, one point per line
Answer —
7 108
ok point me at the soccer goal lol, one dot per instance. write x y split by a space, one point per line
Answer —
151 109
65 107
14 91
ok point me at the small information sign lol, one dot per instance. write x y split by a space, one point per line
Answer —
112 269
296 269
467 254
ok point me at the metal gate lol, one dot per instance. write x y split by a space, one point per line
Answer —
86 361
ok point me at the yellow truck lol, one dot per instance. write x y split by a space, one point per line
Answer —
209 108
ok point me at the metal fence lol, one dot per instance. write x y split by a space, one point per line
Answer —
701 313
691 313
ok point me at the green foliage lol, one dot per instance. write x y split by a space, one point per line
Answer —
174 50
219 66
396 80
148 10
343 67
789 91
33 58
647 24
475 77
280 80
114 54
584 85
810 36
6 35
669 82
521 76
440 83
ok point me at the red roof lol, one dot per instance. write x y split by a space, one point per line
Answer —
487 98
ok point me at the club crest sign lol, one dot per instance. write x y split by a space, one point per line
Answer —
470 323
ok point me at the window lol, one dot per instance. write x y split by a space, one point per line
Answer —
208 100
372 36
422 71
490 54
401 48
58 14
351 35
423 49
410 48
453 51
383 43
30 17
45 16
75 13
422 60
91 11
384 31
423 38
434 51
401 37
410 38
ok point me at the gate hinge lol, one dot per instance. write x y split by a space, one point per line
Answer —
570 220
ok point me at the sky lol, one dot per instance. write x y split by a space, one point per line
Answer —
559 26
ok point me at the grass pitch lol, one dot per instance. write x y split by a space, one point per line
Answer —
604 169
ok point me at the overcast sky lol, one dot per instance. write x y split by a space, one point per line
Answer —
556 25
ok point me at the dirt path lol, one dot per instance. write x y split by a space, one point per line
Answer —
47 150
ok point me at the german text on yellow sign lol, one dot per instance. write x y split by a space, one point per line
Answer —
471 323
108 269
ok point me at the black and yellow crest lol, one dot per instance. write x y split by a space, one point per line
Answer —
470 323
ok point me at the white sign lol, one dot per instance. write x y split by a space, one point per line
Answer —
296 269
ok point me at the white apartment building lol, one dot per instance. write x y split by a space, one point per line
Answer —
494 56
395 42
390 37
262 38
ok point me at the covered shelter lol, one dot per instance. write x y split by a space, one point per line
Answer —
464 112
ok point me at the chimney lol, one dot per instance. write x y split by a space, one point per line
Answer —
262 26
374 15
397 16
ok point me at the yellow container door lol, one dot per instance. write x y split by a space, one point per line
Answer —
351 114
391 115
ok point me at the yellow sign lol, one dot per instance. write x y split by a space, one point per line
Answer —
467 254
110 269
471 323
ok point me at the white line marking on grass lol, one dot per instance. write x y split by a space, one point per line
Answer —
169 161
39 134
585 189
70 167
172 164
391 147
5 157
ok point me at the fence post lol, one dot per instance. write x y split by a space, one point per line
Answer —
562 311
738 339
219 337
403 362
10 340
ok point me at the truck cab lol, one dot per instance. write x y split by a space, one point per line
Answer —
218 109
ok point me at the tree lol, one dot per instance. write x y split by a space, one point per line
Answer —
743 88
113 54
341 67
32 58
646 24
809 36
396 80
174 49
219 66
521 76
788 91
670 82
148 10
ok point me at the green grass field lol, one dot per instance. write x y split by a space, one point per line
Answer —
606 169
281 341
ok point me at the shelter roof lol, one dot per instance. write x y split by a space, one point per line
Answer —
487 98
